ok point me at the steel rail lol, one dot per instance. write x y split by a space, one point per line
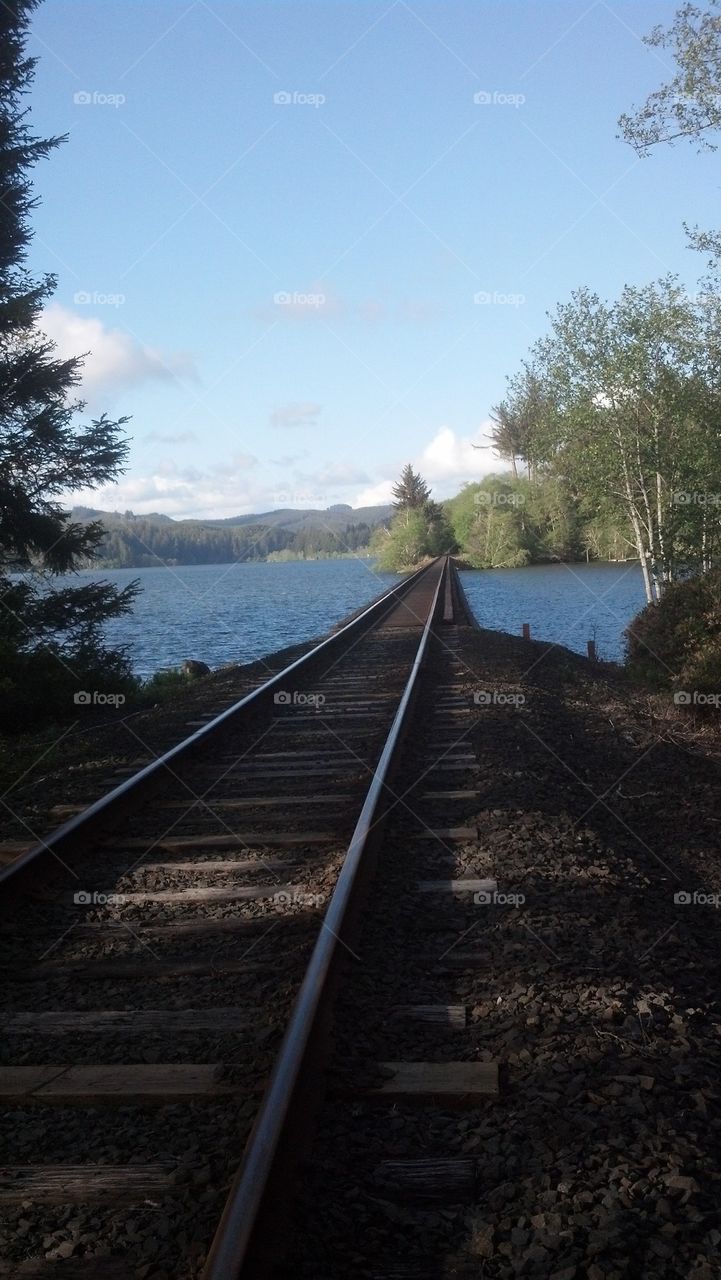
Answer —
246 1241
71 835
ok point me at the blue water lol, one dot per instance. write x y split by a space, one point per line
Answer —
238 612
568 604
234 612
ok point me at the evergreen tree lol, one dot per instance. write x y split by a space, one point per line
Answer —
411 492
419 529
45 451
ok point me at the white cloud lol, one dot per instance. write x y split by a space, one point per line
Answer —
224 489
236 486
376 495
449 460
446 463
116 359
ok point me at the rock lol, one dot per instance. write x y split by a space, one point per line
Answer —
64 1250
685 1186
482 1245
193 669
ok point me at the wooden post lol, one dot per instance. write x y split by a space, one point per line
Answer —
592 650
526 631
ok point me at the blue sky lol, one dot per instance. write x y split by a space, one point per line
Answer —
294 297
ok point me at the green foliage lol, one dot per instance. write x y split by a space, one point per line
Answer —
41 684
630 402
518 419
418 532
487 523
688 105
163 686
404 545
50 641
130 541
502 522
677 643
411 492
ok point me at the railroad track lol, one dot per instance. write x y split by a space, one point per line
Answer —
166 946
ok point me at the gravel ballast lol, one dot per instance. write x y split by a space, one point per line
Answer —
590 977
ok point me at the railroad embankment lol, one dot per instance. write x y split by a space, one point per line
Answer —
586 976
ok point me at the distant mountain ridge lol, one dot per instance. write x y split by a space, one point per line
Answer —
142 541
338 516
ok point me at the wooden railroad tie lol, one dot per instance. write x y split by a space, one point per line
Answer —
463 1083
210 893
226 841
428 1180
128 1022
144 969
468 885
443 1015
159 1083
85 1183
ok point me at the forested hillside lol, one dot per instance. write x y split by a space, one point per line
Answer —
132 541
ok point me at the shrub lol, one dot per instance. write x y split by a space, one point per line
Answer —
42 685
677 642
162 686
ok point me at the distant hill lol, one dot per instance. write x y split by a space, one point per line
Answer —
336 517
141 541
114 517
340 515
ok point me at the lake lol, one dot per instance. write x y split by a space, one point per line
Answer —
238 612
567 603
235 612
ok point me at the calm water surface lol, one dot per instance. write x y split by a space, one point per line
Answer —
235 613
569 604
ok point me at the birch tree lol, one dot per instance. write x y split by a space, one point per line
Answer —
635 389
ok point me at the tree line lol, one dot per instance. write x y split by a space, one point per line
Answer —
130 543
619 405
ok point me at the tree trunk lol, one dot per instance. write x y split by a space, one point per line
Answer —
635 522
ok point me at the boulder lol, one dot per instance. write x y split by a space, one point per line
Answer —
192 668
